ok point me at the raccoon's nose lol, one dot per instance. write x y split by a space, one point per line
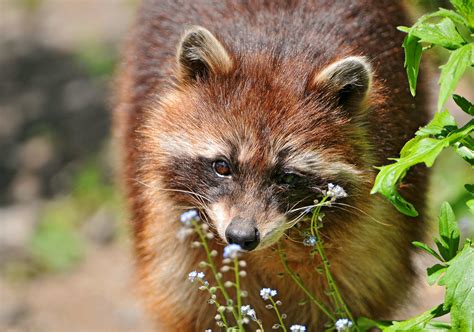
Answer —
244 233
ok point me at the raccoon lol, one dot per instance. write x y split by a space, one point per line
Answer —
246 110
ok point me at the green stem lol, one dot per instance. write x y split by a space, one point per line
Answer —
333 289
280 319
202 236
259 323
224 320
238 294
300 284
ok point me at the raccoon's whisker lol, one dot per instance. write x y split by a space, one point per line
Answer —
306 207
173 190
361 211
288 237
294 221
294 205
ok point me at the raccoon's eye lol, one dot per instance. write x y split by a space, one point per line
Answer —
287 178
221 168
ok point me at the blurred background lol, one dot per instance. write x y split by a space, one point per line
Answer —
65 258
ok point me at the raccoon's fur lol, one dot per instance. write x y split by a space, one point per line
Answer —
281 98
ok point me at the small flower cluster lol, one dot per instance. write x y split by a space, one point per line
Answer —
310 241
297 328
189 216
343 325
192 276
232 251
335 191
248 311
231 311
266 293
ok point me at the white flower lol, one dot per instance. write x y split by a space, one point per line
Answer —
208 330
297 328
266 293
196 275
247 310
189 216
232 250
343 324
335 191
310 241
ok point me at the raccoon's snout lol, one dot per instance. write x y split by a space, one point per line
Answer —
244 233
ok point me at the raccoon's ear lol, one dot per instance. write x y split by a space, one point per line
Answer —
346 81
201 54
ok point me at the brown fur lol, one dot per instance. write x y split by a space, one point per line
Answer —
277 49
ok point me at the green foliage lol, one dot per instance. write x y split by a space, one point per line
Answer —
459 283
448 243
428 143
442 132
413 50
464 104
466 9
443 34
455 268
452 71
455 271
417 323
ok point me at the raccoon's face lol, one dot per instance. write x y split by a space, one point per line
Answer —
251 148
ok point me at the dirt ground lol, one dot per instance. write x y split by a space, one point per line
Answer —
97 296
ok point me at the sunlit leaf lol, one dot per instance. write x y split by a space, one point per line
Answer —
425 247
465 152
421 149
441 121
466 9
442 34
417 323
470 205
448 243
413 52
452 71
459 283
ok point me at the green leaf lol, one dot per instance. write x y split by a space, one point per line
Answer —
413 50
443 34
452 71
459 283
469 187
424 150
470 205
465 152
435 272
420 149
441 122
417 323
365 324
464 104
448 244
425 247
466 9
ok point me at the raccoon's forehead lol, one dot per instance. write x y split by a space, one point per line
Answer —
253 140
